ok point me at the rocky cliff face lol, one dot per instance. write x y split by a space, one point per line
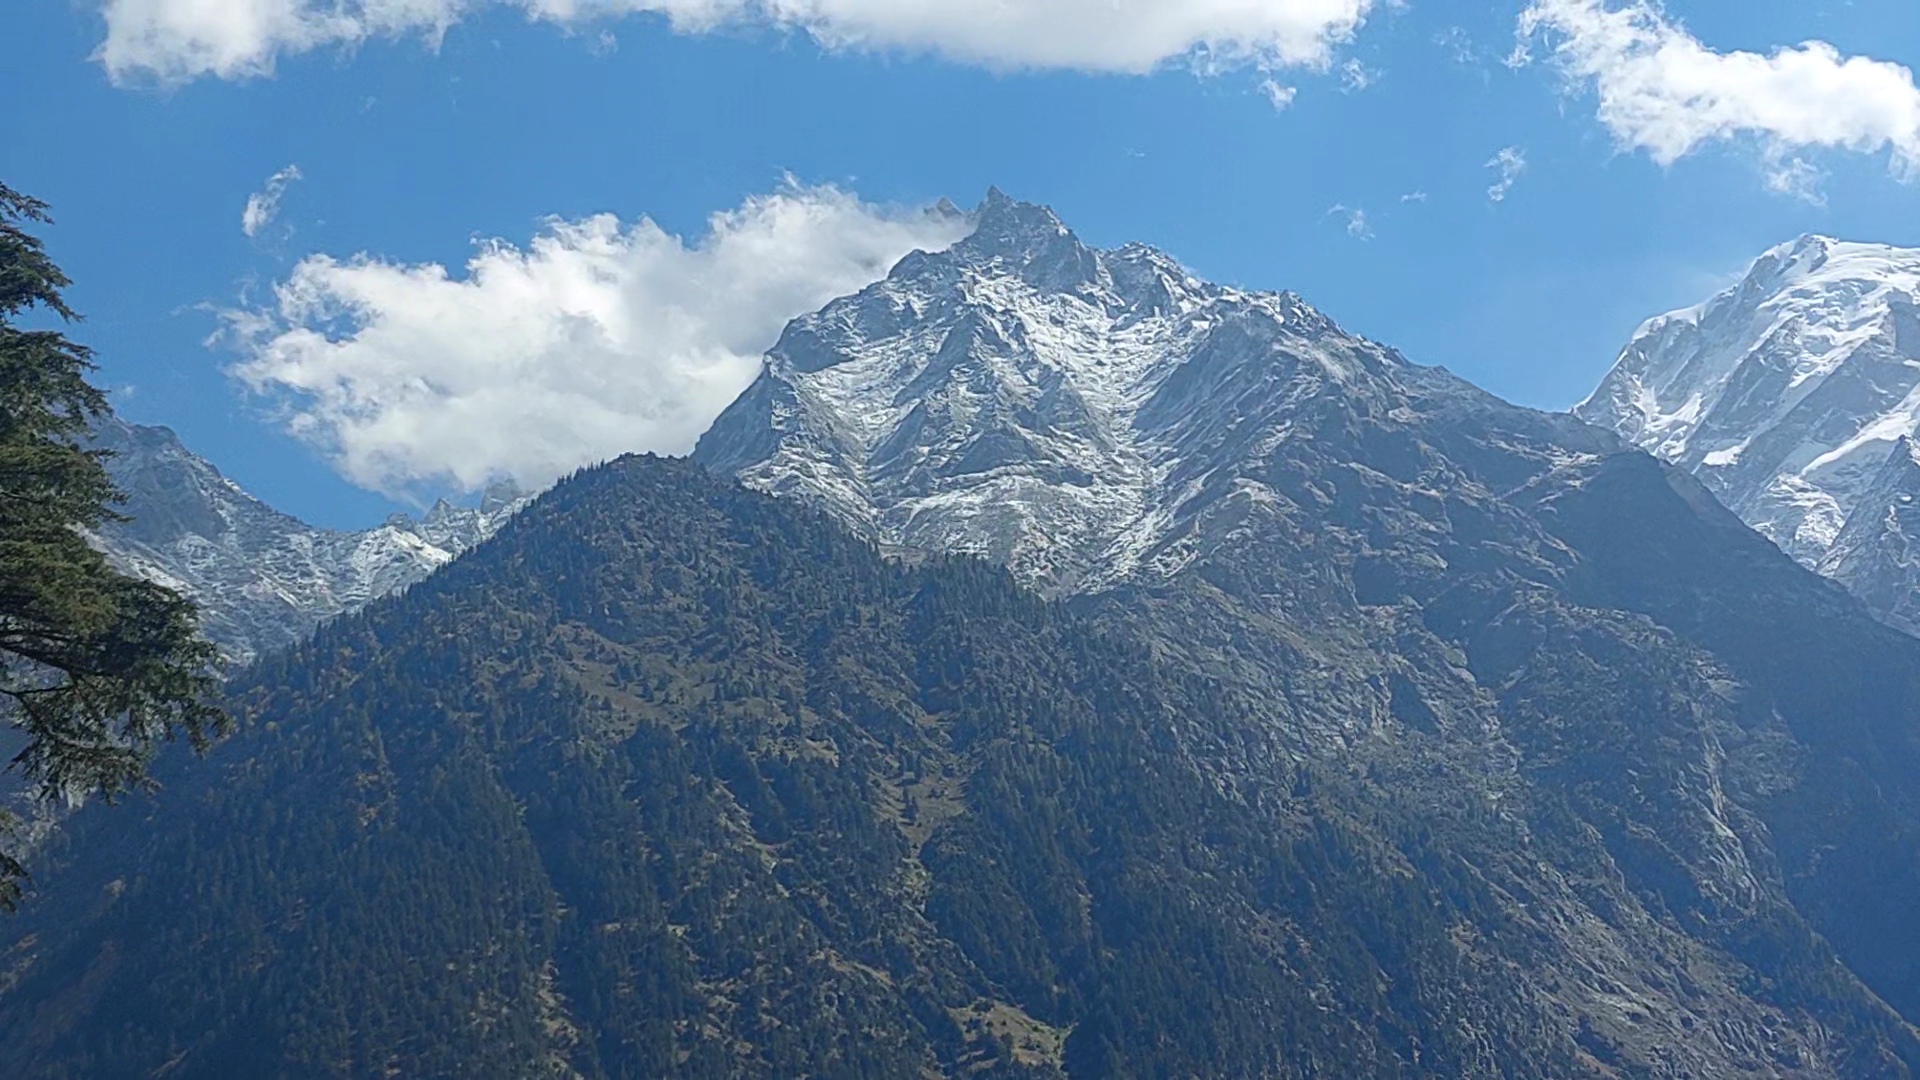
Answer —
264 579
1877 554
1787 395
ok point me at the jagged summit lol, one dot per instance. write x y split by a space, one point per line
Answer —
1029 398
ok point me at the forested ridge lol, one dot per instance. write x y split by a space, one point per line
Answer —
675 779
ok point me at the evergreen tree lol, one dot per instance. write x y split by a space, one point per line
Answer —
95 666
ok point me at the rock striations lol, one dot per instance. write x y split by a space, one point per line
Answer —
1877 555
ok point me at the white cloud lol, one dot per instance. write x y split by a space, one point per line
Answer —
172 41
264 205
1279 95
596 339
1507 165
1661 90
1414 197
1356 76
1359 226
1797 177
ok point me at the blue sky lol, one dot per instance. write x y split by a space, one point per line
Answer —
410 153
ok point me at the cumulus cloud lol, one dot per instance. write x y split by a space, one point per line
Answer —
597 338
177 40
1663 91
264 205
172 41
1507 165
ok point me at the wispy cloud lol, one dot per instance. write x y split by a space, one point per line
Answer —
1663 91
1458 45
264 205
173 41
1797 177
1359 226
1356 76
1278 95
597 338
1507 165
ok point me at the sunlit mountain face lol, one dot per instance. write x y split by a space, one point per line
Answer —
1794 396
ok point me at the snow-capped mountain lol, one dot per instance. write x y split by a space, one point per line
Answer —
1785 393
1788 395
1080 416
262 578
1405 578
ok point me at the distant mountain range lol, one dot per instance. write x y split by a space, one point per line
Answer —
263 579
1330 717
1792 396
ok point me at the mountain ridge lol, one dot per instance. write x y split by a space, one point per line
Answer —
670 777
1369 726
263 578
1058 405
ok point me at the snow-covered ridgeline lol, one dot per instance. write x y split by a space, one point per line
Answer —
1061 410
264 579
1791 395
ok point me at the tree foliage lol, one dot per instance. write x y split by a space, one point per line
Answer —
95 666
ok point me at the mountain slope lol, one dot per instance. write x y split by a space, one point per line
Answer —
264 579
1875 555
671 779
1356 543
1786 395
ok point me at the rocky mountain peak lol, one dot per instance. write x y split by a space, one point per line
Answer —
1784 393
1795 396
1804 255
1028 240
501 495
1066 411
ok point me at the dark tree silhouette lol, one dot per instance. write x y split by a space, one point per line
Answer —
95 666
